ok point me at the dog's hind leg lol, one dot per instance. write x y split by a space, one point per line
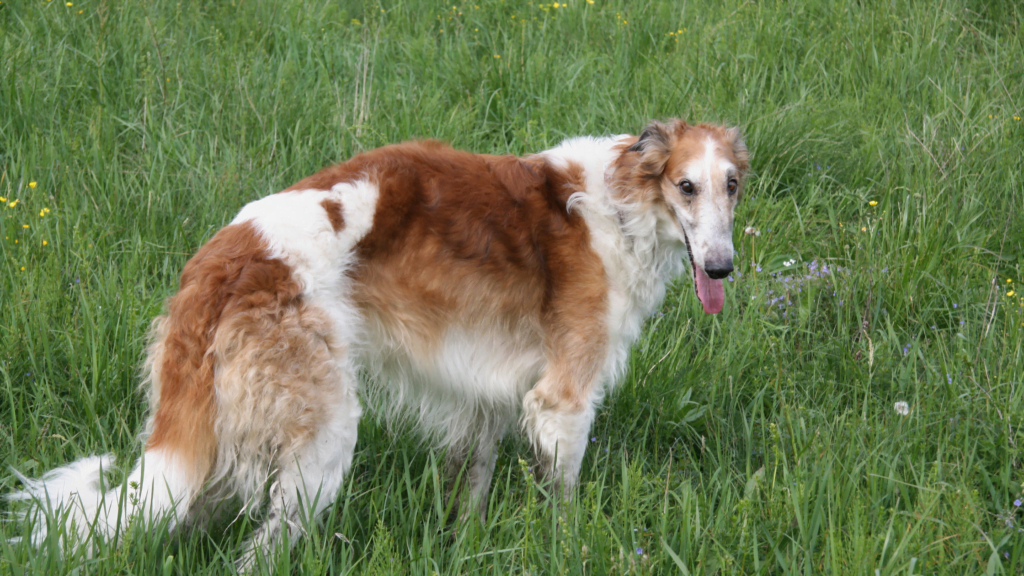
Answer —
470 465
288 413
307 483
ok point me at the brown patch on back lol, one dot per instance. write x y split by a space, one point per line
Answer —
229 275
468 240
334 213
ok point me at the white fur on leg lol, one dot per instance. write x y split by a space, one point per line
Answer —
560 437
309 482
315 475
471 492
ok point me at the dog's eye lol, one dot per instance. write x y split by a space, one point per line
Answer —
686 187
732 185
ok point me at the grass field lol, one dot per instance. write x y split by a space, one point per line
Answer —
888 190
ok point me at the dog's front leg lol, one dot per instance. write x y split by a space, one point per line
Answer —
557 417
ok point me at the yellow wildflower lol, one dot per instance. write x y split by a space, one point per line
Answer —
497 55
864 229
13 204
45 242
1009 281
1010 293
22 268
873 203
24 225
69 4
31 184
2 199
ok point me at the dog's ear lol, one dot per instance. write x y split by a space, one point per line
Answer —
739 149
654 147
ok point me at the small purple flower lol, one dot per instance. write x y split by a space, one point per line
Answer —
730 278
949 380
933 326
961 322
954 304
640 551
594 439
1017 503
758 268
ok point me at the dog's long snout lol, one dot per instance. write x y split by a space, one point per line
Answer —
718 270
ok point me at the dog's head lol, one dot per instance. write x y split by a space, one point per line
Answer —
692 178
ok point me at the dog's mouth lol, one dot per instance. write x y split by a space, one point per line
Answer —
710 292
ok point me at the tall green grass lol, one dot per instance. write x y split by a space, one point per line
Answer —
887 145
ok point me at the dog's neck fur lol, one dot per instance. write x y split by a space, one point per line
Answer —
639 263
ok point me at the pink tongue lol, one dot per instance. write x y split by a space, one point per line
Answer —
710 292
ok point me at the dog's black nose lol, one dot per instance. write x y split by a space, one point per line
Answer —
717 271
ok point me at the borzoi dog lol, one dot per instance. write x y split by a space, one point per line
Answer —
469 291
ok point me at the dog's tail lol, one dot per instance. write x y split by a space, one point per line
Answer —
76 502
181 440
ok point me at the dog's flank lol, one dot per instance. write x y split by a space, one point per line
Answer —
472 290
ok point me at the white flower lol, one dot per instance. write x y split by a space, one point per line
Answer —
751 231
902 408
